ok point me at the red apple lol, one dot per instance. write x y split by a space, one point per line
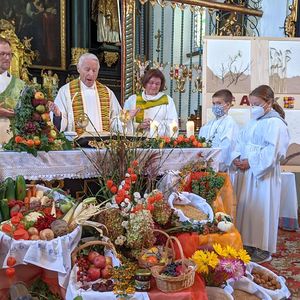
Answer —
92 255
94 274
107 272
108 260
99 261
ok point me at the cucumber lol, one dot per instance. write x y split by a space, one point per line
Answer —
2 190
10 189
20 187
4 209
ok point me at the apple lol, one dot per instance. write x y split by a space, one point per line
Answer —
53 133
45 117
108 260
39 95
106 272
40 109
94 273
92 255
99 261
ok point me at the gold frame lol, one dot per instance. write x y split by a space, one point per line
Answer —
128 36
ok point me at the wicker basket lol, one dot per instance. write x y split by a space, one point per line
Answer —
109 245
167 254
169 284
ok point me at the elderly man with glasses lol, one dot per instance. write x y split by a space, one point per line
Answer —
10 89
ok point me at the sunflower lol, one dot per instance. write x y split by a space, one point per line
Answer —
219 250
244 256
204 260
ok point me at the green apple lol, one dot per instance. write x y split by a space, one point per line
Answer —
53 133
40 109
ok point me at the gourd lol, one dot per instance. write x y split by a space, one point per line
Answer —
225 226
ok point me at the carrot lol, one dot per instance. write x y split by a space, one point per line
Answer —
33 191
26 201
28 193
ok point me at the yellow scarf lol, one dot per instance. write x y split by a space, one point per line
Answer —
78 109
142 105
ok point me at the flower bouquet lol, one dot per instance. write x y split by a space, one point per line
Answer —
221 264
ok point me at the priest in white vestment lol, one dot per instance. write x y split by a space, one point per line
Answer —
153 106
222 131
261 145
86 97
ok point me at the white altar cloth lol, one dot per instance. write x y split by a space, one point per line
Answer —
288 213
76 164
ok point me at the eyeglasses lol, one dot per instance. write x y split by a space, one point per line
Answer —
2 54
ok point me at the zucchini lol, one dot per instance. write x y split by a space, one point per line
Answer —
20 187
10 189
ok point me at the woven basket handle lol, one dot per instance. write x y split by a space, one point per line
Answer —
93 243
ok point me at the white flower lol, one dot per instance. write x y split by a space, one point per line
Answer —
123 182
140 201
125 224
108 205
146 195
126 200
115 205
123 204
136 195
127 175
120 187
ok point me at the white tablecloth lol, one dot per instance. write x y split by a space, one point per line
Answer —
288 214
76 164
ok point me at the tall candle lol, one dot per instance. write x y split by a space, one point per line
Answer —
154 129
190 128
173 128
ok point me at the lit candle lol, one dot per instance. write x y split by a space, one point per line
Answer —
154 129
173 128
190 128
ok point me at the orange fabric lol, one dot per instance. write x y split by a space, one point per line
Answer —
195 292
28 274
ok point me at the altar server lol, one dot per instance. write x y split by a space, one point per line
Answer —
222 131
261 145
86 95
152 105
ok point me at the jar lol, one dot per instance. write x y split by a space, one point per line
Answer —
142 280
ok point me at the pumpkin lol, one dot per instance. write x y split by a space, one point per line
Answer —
225 226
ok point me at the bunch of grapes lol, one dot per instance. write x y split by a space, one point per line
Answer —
30 127
106 286
173 269
83 266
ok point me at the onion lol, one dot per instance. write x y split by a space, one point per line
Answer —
47 234
35 237
33 231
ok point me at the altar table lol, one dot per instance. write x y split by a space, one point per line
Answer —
79 164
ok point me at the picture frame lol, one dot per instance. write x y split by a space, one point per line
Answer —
40 22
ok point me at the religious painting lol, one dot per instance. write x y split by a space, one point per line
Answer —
228 65
43 23
284 68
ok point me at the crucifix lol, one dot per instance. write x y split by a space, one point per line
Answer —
158 37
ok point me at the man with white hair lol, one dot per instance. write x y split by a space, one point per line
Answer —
86 96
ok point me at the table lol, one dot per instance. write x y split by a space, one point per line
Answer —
288 213
77 164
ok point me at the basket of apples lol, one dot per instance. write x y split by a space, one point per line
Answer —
93 270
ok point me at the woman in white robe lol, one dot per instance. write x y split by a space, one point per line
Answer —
222 131
261 145
152 105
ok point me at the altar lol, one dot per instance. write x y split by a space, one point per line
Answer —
77 164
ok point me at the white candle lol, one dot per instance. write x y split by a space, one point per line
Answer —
173 128
154 129
34 80
190 128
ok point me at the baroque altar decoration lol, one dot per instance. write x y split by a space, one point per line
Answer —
32 128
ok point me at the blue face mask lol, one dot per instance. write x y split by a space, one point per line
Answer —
218 110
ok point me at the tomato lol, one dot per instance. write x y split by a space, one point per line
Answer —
10 272
11 261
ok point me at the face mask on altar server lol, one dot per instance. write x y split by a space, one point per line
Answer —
257 112
218 110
